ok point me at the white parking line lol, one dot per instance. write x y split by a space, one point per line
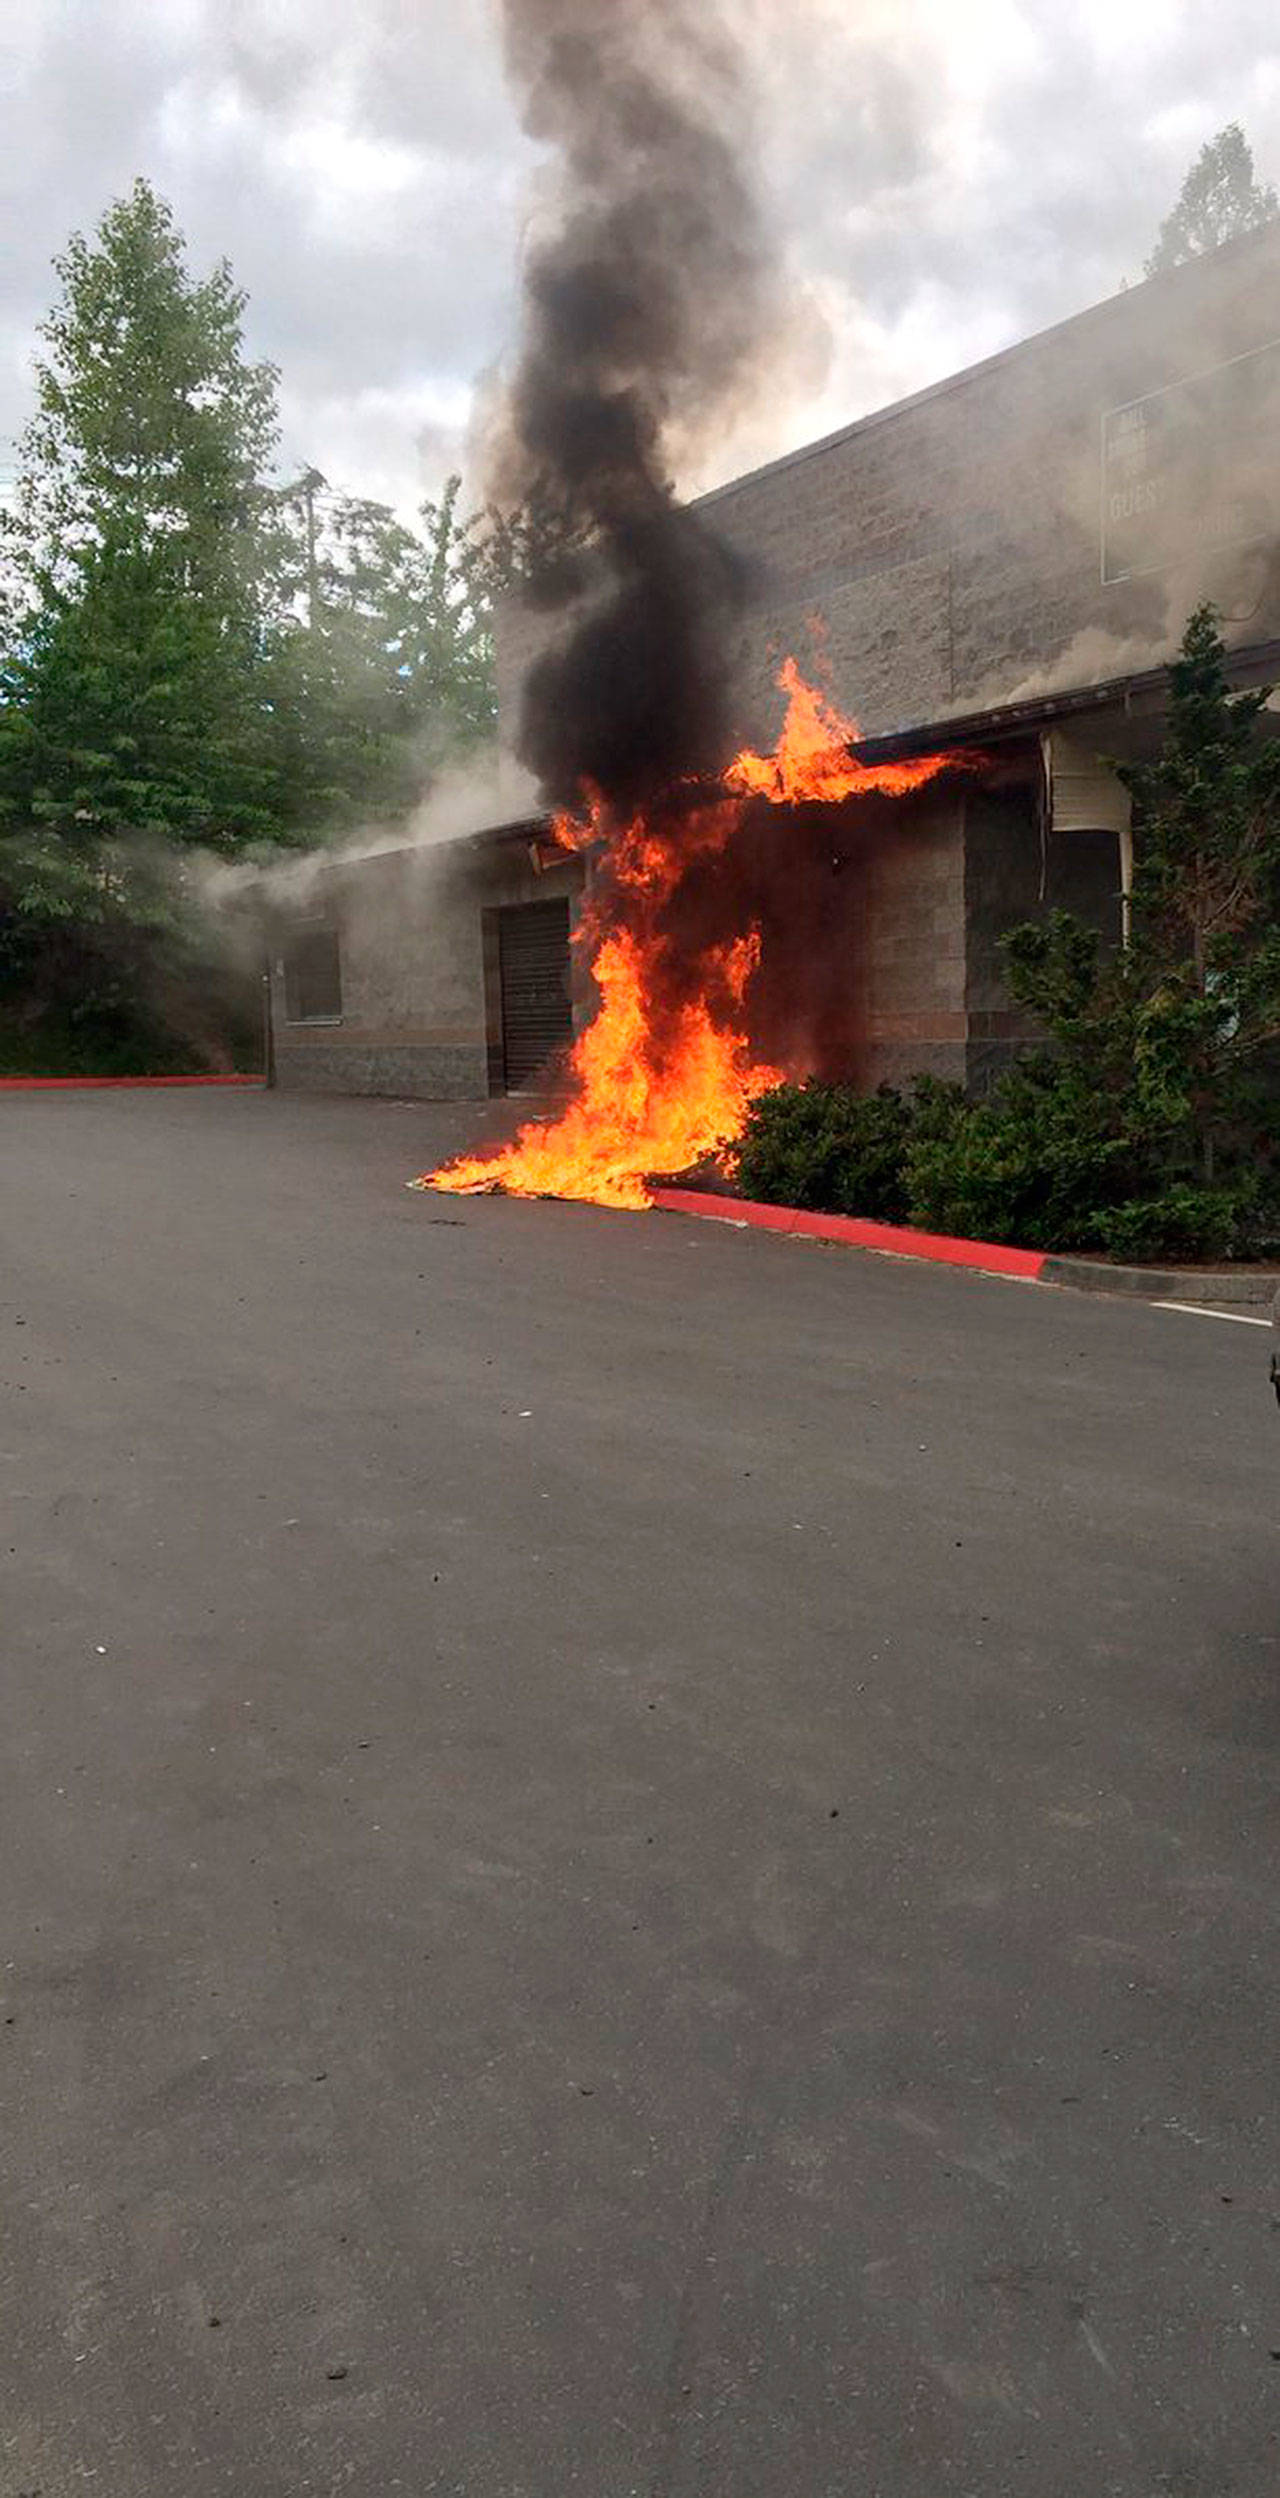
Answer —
1196 1309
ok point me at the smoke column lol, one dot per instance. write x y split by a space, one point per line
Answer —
646 293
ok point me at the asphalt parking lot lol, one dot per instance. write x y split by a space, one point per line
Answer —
634 1858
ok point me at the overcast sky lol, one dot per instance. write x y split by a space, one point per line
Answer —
945 175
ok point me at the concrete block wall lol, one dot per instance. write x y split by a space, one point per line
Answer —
913 951
951 545
945 875
890 971
417 1008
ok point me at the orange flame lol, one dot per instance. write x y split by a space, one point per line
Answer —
811 760
655 1088
629 1115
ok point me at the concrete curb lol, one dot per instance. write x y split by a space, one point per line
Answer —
100 1084
1223 1288
892 1239
1226 1288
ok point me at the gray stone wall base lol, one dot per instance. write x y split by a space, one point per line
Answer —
899 1063
424 1071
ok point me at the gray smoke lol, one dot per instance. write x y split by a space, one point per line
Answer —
647 294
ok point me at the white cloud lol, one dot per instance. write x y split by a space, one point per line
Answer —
943 175
394 445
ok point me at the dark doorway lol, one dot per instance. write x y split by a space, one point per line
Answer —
533 962
312 976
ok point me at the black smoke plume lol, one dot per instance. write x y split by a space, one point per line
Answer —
644 298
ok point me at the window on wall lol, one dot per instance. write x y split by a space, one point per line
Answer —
313 976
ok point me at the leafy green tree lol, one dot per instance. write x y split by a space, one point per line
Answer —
387 672
536 549
451 646
190 658
1177 1031
1220 198
407 610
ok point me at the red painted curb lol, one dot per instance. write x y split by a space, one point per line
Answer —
63 1084
896 1240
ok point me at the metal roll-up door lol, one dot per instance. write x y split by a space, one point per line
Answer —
537 1016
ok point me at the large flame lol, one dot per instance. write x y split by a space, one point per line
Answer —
661 1080
813 761
629 1115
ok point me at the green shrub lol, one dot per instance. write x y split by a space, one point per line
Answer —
828 1149
1183 1222
1033 1164
935 1107
1052 1160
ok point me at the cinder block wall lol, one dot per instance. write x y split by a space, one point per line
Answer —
415 1015
913 963
951 544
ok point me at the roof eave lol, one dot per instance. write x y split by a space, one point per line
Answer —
1006 721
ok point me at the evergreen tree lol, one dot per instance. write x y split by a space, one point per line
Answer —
1203 964
1220 198
191 658
1175 1036
141 561
141 554
387 673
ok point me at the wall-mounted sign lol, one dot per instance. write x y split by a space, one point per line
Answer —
1193 467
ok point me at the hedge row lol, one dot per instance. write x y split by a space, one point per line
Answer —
1037 1164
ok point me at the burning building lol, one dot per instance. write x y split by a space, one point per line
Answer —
988 578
